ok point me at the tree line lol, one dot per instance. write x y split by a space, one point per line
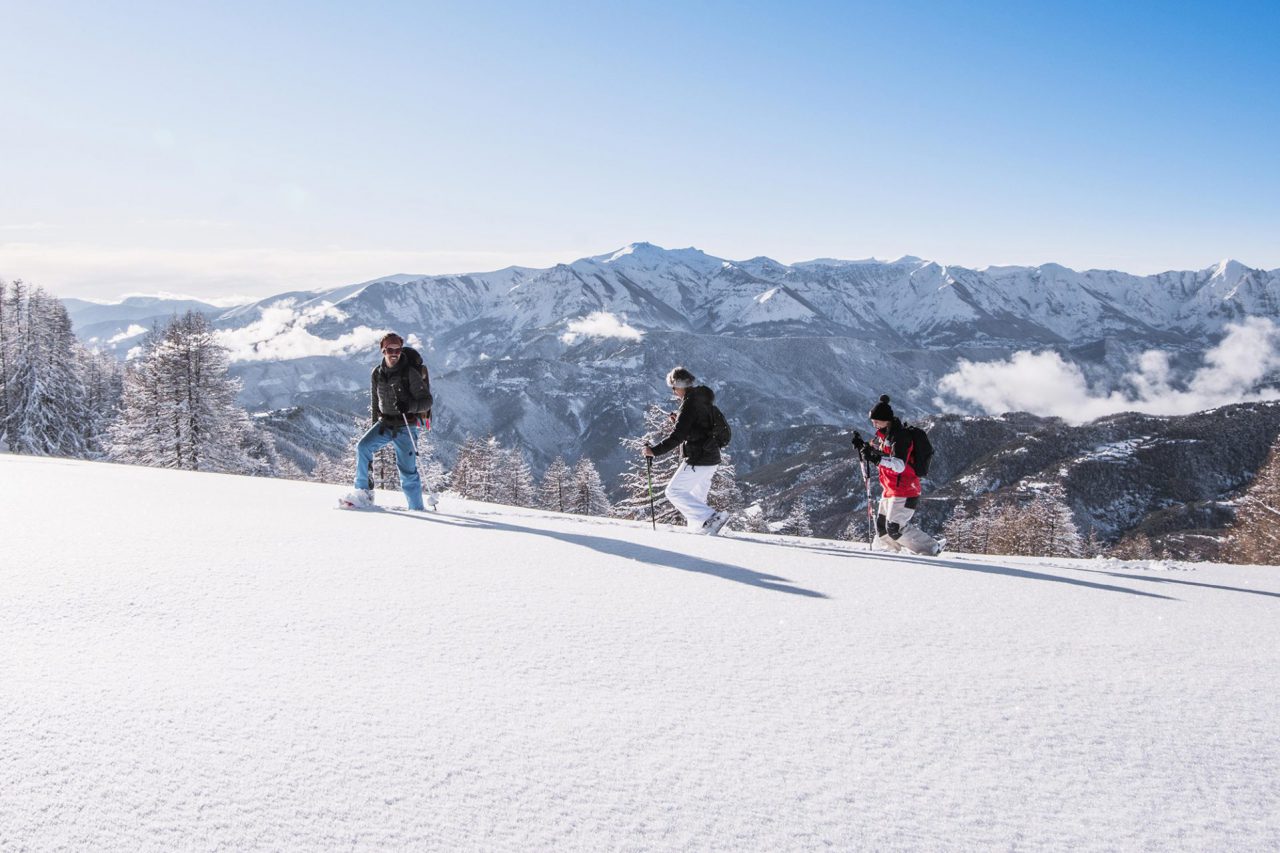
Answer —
57 397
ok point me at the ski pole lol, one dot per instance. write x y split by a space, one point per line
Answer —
866 482
871 519
413 442
653 516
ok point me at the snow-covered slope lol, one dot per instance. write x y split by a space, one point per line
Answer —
211 662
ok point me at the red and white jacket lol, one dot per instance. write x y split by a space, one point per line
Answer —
897 475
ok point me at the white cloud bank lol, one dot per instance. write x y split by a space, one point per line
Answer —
283 333
1045 384
601 324
131 332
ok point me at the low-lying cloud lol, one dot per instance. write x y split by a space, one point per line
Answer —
282 332
1045 384
600 324
132 332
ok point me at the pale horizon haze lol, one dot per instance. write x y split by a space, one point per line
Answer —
246 150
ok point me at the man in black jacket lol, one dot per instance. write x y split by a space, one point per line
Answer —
691 482
398 396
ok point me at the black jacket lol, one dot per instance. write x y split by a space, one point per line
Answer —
693 430
398 392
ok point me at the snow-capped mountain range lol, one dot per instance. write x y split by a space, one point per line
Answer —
564 360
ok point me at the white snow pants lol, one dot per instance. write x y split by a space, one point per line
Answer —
688 492
896 514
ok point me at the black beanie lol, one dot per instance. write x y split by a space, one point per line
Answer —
881 411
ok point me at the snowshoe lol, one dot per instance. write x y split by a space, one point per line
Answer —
357 499
715 523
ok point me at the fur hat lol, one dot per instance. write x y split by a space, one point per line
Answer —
882 411
679 377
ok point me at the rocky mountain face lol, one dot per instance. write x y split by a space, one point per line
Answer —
565 360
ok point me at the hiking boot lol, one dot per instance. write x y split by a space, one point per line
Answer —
713 525
884 543
357 499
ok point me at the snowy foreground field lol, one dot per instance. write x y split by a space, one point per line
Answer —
203 662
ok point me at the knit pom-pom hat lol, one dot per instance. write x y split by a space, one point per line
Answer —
882 411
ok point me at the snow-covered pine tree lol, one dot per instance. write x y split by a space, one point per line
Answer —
434 477
327 470
6 361
1255 536
138 433
1055 523
998 527
797 522
262 457
460 474
485 475
475 471
856 529
588 496
513 479
179 408
45 390
963 531
557 482
1134 546
1040 527
103 378
753 520
22 370
1093 544
725 494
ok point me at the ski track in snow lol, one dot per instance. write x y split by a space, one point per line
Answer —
205 662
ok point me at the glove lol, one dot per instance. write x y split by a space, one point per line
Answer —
870 454
857 442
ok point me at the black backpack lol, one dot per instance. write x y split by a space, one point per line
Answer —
413 358
922 449
721 433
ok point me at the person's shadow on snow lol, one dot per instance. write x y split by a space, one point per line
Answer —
1009 571
633 551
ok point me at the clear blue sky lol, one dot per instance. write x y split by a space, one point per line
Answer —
251 148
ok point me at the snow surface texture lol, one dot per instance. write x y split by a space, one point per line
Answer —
195 661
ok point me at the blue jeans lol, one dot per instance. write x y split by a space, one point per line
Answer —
404 439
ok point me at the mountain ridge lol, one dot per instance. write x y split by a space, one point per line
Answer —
514 352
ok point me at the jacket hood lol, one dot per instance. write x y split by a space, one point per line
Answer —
702 394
